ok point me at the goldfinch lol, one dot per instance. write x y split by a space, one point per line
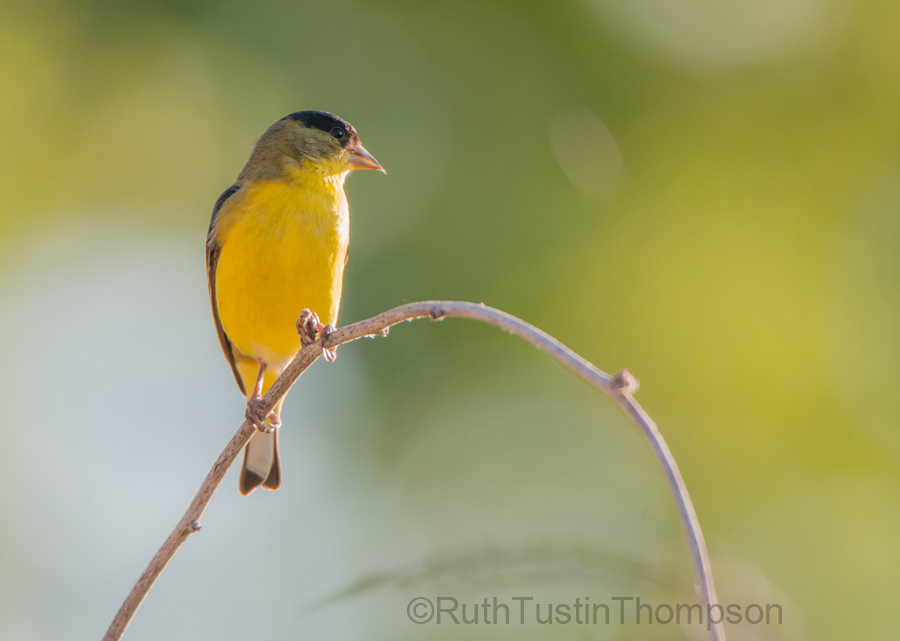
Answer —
277 245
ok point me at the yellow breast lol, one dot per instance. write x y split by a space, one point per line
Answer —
283 248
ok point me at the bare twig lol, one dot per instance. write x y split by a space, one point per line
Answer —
619 388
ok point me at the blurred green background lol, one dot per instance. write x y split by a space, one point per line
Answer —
706 192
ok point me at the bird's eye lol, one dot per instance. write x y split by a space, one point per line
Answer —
337 132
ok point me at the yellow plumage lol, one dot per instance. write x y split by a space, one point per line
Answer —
283 250
277 245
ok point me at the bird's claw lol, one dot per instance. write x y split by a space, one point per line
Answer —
309 326
330 353
311 329
253 414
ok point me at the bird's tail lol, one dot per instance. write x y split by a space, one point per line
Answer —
262 460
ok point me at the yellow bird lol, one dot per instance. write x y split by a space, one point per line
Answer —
277 244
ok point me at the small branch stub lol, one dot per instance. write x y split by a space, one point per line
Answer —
625 382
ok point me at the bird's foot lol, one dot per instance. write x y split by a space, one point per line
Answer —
330 353
253 413
311 329
309 326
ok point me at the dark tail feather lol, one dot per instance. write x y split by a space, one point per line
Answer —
249 480
262 464
273 480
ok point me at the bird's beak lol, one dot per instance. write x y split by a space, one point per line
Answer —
362 159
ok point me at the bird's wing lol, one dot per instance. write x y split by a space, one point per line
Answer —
213 249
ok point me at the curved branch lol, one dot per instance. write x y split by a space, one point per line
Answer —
619 388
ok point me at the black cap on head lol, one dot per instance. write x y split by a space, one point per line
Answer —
337 127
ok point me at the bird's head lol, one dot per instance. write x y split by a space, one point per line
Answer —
313 140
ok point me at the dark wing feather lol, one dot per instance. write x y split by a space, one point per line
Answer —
212 258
